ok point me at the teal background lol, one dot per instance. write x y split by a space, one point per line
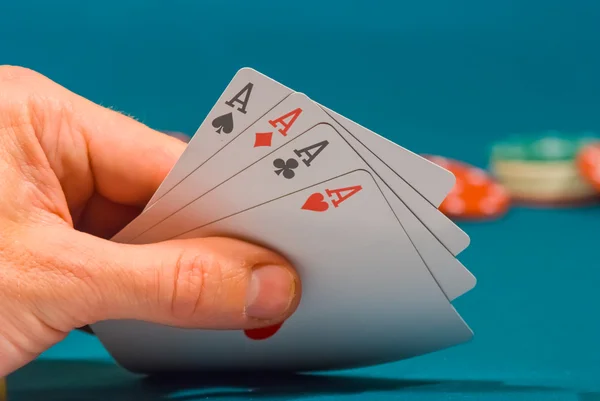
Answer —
442 77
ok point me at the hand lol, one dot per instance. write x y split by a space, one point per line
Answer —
72 174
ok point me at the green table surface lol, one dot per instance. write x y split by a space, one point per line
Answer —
436 76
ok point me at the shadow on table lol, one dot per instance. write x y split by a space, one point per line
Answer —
47 380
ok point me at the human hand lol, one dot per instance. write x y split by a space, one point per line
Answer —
72 175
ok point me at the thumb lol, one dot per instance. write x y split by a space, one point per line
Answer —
212 283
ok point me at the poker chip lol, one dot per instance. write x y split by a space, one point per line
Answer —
588 164
475 195
549 146
541 169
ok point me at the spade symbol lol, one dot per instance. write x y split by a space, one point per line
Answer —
223 123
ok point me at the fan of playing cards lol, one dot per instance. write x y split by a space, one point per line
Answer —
355 214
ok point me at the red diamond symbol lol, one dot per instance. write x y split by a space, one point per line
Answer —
263 139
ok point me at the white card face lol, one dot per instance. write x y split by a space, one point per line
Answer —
452 277
288 119
451 236
437 253
282 123
248 97
424 176
251 94
299 112
367 298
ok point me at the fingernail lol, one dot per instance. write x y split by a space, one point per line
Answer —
271 292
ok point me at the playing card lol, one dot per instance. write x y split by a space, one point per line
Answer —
250 95
428 179
316 155
296 114
366 298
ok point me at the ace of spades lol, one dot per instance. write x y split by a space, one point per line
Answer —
224 123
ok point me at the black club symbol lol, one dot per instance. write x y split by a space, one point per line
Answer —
286 167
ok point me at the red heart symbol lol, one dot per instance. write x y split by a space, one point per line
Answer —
263 333
316 202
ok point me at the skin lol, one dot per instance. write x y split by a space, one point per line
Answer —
72 174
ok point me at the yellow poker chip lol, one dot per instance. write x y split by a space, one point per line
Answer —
541 169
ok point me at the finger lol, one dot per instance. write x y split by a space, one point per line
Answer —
86 329
214 283
179 135
104 218
126 160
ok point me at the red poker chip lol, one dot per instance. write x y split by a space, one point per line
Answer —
475 195
588 164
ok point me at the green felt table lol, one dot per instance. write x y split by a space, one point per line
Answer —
435 76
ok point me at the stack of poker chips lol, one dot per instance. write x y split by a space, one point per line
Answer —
475 195
542 169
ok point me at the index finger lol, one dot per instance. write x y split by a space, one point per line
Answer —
125 159
128 159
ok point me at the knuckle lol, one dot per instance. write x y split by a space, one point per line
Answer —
12 72
31 100
15 99
207 285
189 278
25 87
